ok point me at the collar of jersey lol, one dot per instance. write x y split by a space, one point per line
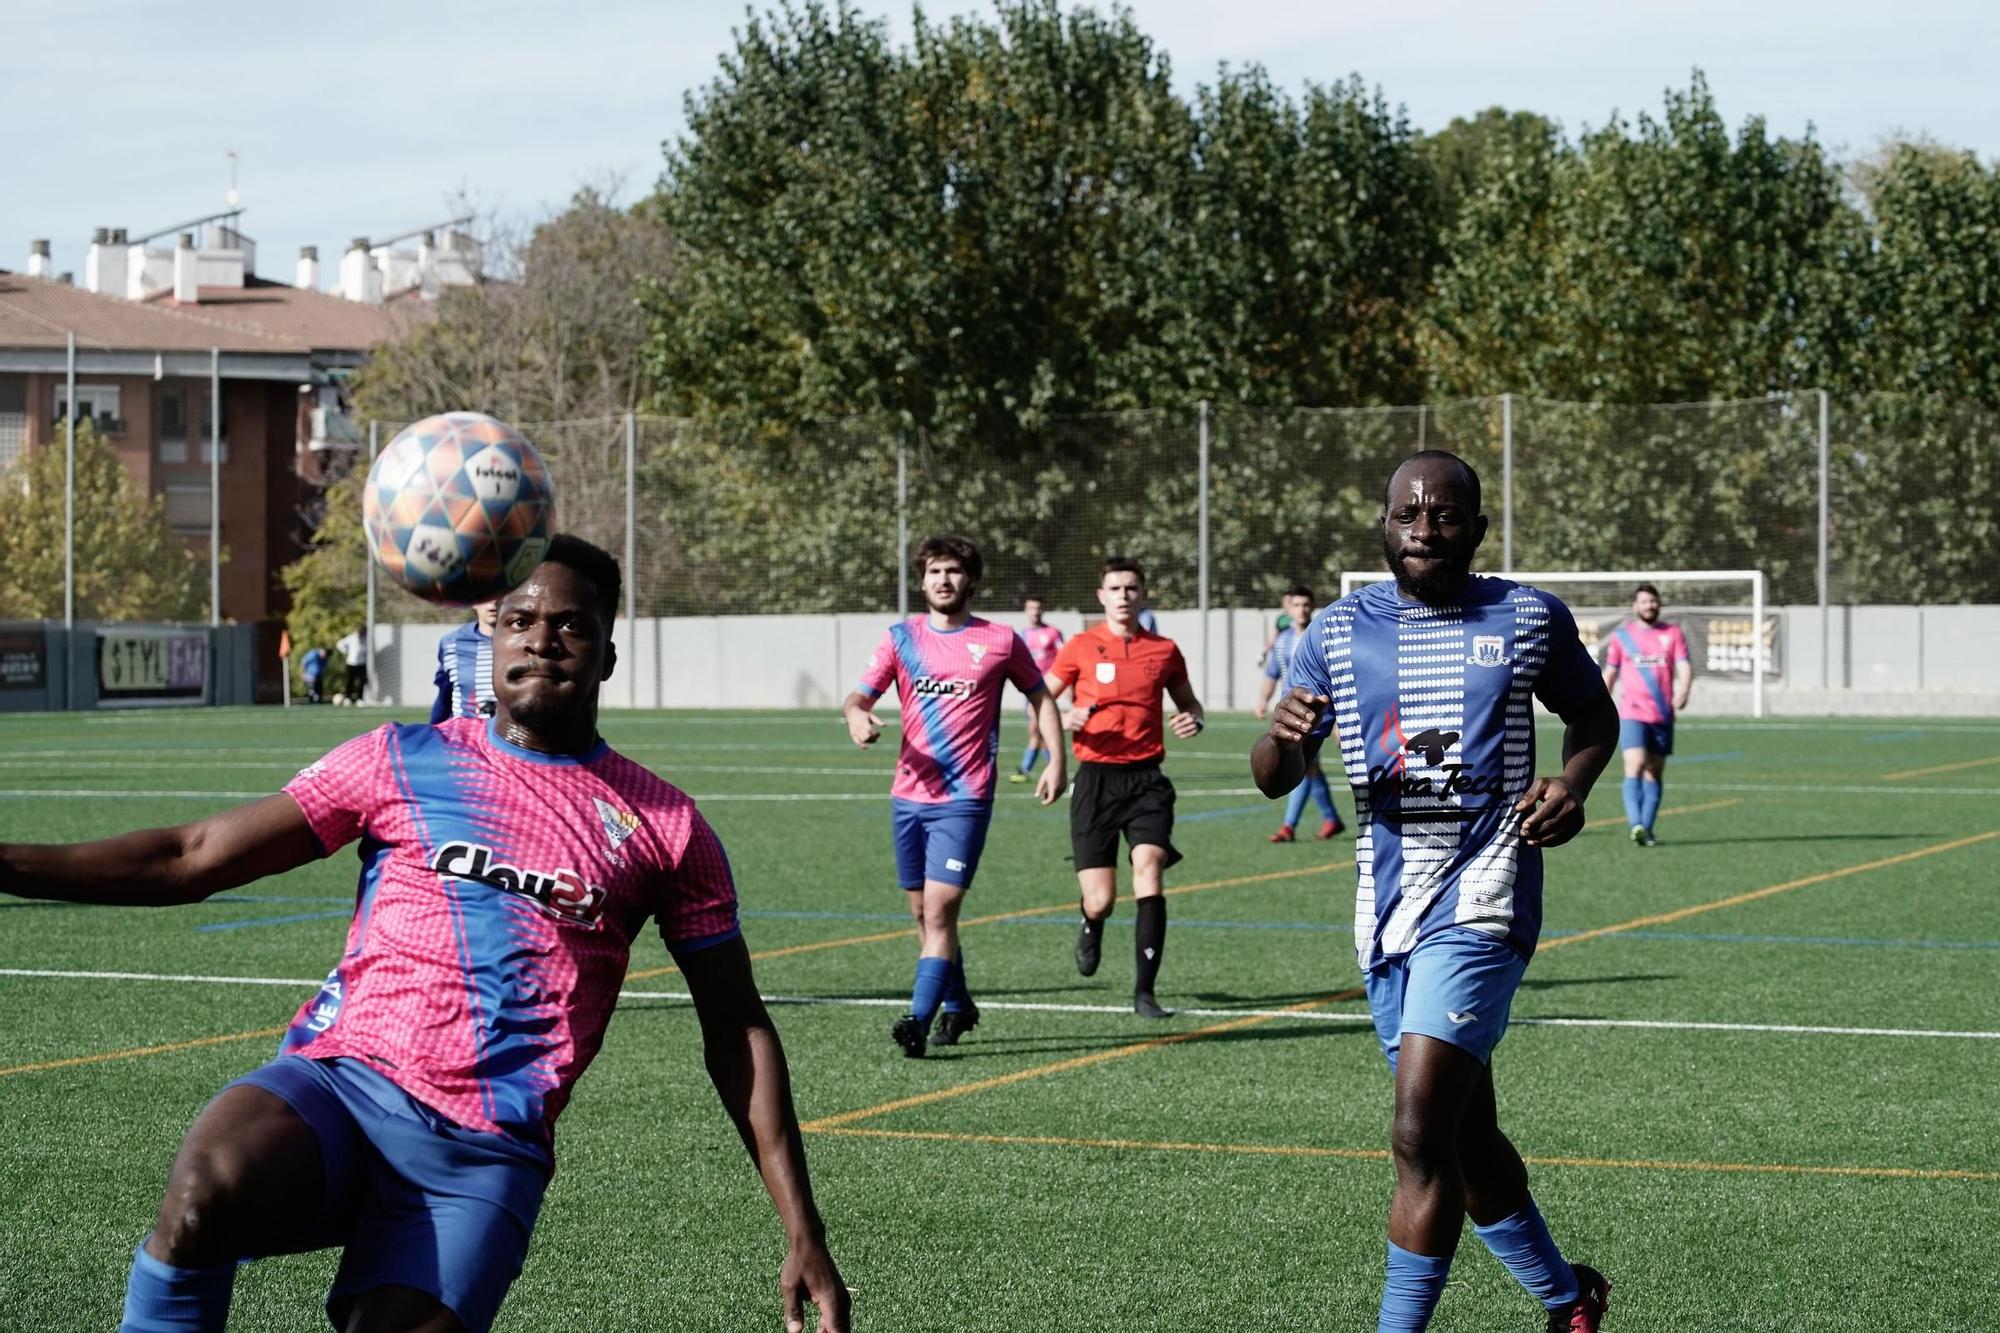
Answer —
507 747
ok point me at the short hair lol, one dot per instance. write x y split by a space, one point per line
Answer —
597 565
1027 597
1468 478
1647 587
946 545
1120 564
1298 590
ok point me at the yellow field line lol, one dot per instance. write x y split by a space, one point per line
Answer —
1074 1062
74 1060
1078 1062
1736 900
1619 820
1382 1155
1940 768
910 932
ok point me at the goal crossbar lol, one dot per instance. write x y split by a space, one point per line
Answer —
1352 579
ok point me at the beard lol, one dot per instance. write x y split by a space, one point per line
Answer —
1436 586
950 603
1650 615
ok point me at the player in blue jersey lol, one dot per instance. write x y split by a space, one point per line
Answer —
1429 683
1298 602
465 667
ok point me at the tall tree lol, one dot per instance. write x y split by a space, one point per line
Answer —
129 563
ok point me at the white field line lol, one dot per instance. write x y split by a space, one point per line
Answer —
1117 1010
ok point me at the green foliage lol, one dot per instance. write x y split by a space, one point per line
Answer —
1935 275
129 564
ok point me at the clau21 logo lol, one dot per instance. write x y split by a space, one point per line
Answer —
561 894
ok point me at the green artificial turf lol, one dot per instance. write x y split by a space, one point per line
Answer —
1064 1168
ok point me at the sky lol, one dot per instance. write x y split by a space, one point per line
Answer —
373 118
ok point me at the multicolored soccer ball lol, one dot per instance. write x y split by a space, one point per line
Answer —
458 509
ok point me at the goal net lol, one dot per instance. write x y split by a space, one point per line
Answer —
1730 635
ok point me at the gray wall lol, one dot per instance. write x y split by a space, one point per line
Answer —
1896 659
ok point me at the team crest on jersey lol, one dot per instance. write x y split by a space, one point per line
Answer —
977 650
1488 650
559 893
618 824
1107 672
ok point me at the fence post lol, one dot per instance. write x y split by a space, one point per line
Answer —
368 634
903 525
69 504
1825 617
1201 574
215 486
1506 483
632 556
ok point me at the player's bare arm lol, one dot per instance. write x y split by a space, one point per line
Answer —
863 727
1683 683
1048 722
1281 756
1554 805
1188 722
1266 687
164 867
747 1065
1072 717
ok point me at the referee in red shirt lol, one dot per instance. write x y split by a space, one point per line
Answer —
1118 671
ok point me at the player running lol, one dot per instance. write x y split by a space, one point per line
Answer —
950 669
1043 641
464 677
1284 645
1429 682
507 865
1653 656
1118 669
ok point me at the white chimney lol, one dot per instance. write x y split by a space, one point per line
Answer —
147 271
187 271
38 260
104 266
427 266
309 267
360 280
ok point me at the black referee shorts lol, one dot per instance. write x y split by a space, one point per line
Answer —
1109 799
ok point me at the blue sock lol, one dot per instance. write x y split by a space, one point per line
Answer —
957 999
1632 799
1523 1243
1415 1283
1296 805
933 974
160 1298
1322 795
1649 801
1029 757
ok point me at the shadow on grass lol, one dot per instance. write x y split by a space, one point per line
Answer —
1550 983
980 1047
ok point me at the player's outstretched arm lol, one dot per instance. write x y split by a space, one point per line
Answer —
1279 759
162 867
747 1065
1554 806
1048 721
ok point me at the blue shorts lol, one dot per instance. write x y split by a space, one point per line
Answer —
1657 737
1456 986
940 841
414 1199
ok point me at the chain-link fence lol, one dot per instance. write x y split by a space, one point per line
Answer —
1879 499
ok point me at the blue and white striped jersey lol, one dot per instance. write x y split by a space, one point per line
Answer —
1433 709
464 677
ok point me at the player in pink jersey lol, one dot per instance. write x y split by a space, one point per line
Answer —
506 868
949 668
1653 658
1044 642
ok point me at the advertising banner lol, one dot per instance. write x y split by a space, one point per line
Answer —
24 657
141 667
1719 642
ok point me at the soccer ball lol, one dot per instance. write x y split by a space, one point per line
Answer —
458 509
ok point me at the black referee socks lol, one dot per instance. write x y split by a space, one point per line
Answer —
1150 943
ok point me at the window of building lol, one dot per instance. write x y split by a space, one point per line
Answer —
96 402
13 419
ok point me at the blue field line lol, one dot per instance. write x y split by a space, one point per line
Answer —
1697 938
1065 920
1878 737
1680 759
1229 812
274 920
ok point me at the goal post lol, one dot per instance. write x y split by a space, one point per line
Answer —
1669 581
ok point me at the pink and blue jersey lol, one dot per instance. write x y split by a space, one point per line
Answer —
1044 642
501 890
949 683
1645 656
